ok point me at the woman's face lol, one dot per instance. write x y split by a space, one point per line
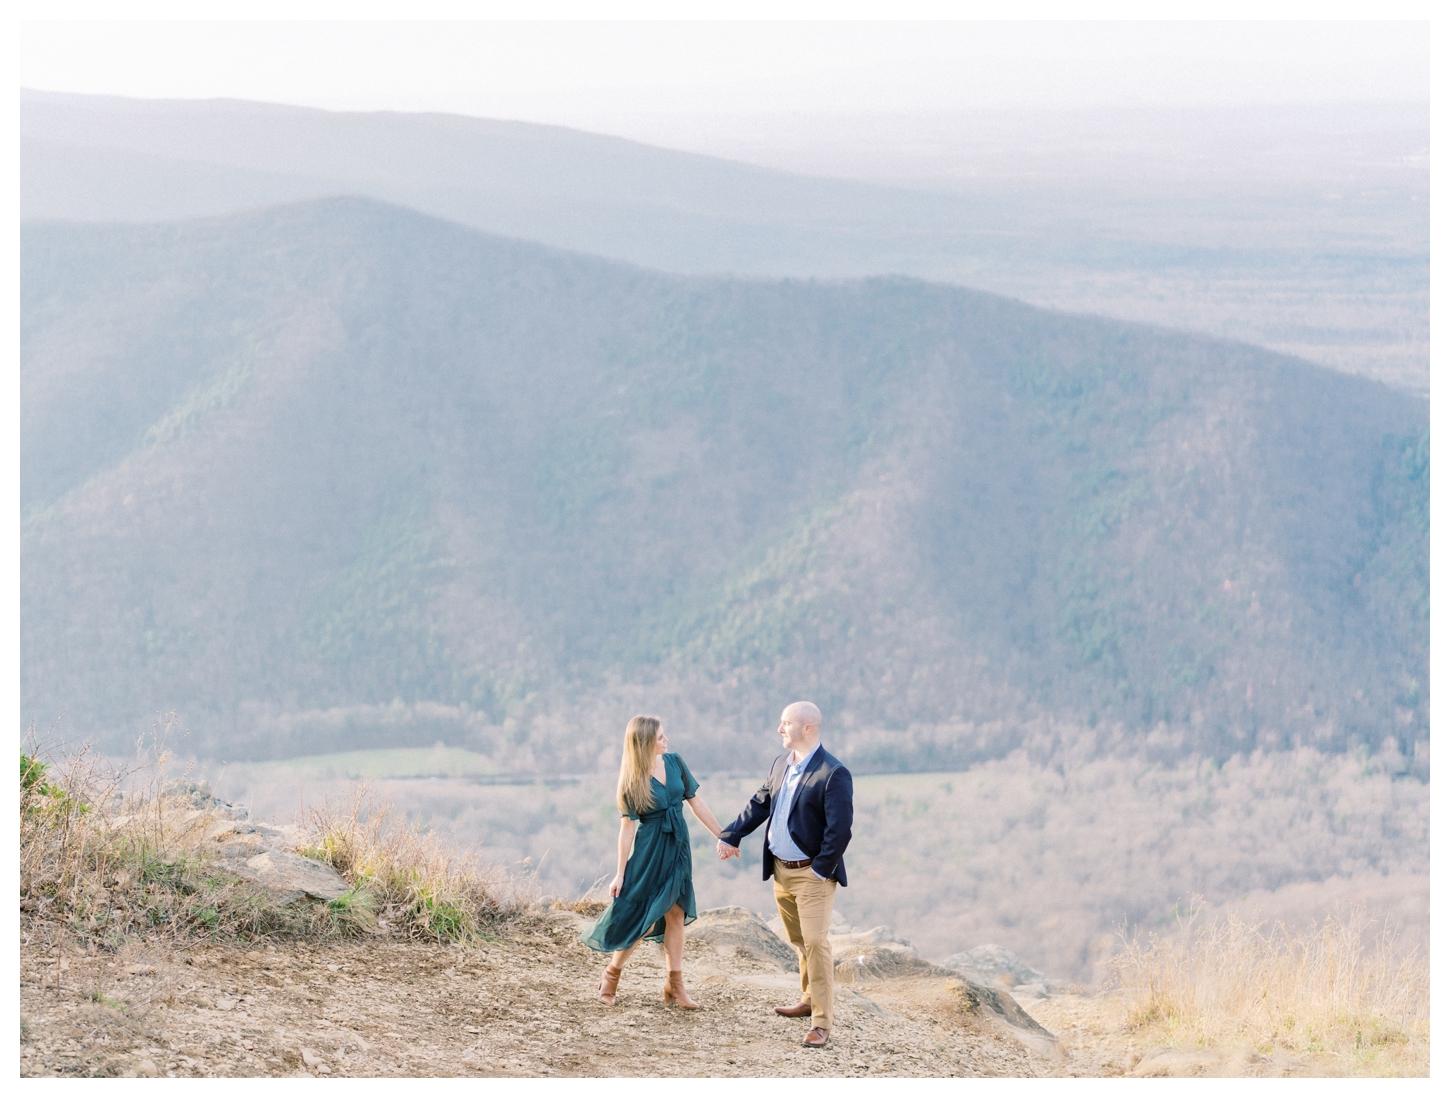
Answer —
662 742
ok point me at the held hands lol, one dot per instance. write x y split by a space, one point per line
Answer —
726 851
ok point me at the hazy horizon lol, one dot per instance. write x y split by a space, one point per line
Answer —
555 71
1387 140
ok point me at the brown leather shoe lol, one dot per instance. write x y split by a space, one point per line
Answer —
817 1038
800 1010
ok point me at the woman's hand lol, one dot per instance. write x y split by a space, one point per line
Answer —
616 884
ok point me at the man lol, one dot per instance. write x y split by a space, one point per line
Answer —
807 804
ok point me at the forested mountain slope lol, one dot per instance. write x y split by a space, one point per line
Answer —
293 469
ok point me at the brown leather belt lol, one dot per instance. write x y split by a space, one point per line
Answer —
793 865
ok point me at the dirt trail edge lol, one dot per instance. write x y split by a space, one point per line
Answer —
522 1004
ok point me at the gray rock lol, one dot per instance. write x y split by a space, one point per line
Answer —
996 1004
290 877
875 954
231 832
198 795
844 939
860 959
186 789
863 956
998 967
737 930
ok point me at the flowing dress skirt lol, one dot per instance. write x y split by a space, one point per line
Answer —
658 873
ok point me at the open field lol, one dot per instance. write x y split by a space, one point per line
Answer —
395 762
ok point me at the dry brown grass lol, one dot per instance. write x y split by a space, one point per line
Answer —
104 854
113 854
409 877
1340 989
588 908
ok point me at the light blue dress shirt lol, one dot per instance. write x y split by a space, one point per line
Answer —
781 844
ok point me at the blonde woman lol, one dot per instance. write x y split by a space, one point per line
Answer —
653 894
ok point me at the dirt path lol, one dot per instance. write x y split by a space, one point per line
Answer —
521 1005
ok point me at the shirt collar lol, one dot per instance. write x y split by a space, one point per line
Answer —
809 755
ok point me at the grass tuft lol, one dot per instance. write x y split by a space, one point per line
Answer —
407 876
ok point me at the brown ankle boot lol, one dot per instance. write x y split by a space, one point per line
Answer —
610 984
675 991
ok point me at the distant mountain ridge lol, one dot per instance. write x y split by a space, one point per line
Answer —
288 469
1337 272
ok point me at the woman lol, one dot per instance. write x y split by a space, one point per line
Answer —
653 894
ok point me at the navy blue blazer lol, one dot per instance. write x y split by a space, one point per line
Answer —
820 818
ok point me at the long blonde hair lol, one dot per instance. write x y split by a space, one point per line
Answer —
634 768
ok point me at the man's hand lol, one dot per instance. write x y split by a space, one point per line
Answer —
726 851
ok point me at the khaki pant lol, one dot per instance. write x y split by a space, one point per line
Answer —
805 903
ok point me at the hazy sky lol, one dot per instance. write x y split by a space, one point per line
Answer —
589 73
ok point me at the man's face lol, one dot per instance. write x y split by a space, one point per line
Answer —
793 730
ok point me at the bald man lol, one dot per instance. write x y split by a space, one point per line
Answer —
806 803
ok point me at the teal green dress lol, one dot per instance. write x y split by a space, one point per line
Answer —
657 875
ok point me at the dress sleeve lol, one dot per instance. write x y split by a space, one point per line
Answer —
691 785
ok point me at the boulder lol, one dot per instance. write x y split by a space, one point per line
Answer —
875 954
738 931
242 839
993 966
997 1006
198 795
184 789
845 938
291 877
878 954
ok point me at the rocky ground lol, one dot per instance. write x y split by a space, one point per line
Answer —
522 1001
521 1005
